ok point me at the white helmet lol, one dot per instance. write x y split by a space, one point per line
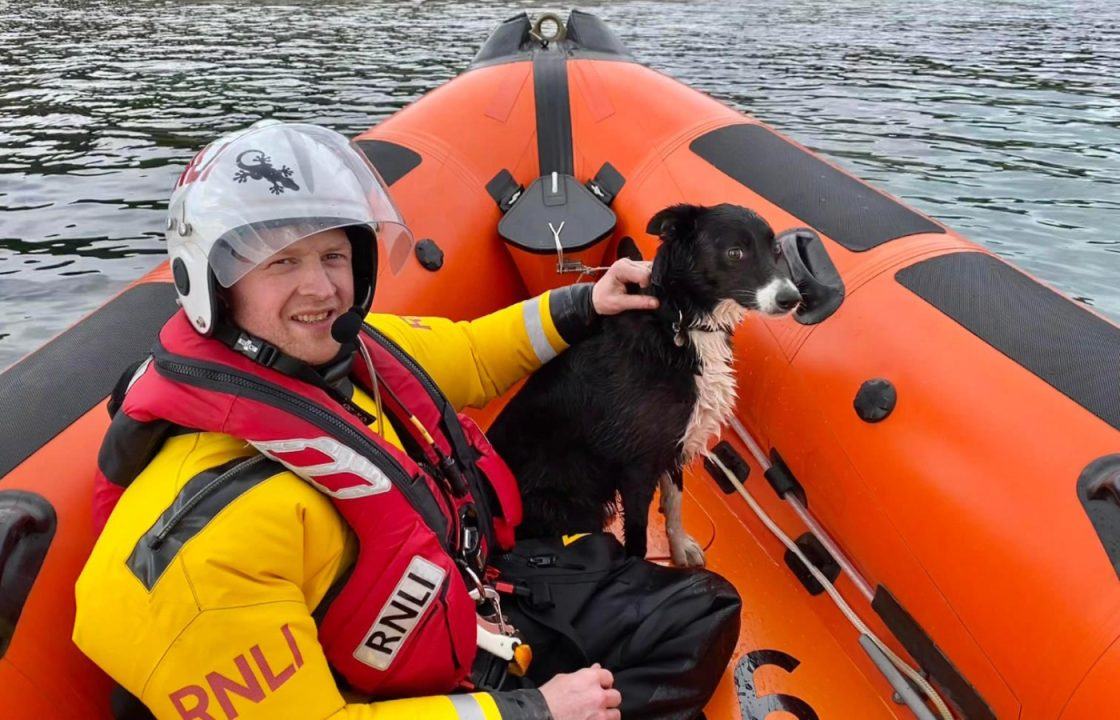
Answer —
253 193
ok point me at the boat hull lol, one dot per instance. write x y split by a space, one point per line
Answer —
970 509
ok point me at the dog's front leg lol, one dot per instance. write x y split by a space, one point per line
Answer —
684 550
637 496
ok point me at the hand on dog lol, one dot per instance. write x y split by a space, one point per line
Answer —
609 296
583 695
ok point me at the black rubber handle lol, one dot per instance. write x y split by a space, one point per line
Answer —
27 524
1106 487
812 270
1098 488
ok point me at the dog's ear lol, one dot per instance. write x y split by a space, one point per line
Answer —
627 248
674 222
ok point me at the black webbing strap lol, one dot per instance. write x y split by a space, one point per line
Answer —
504 189
607 183
554 112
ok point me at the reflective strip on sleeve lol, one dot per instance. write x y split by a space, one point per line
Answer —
467 707
489 707
532 311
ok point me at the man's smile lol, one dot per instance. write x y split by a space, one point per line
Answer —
313 317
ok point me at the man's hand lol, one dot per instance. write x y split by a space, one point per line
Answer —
585 694
609 296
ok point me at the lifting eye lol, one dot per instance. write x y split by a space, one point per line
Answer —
735 253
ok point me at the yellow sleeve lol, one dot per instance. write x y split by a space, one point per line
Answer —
225 629
264 661
475 361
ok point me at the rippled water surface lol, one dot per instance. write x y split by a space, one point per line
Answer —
1001 119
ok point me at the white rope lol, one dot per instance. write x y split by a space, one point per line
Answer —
902 665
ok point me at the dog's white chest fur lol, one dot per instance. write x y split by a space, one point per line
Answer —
715 385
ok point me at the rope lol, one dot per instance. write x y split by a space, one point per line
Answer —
902 665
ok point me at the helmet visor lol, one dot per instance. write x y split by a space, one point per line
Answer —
271 187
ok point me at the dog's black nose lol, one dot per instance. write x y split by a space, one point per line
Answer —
787 298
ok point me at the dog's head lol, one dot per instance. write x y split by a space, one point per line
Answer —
712 254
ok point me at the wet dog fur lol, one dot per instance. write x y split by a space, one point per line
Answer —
627 408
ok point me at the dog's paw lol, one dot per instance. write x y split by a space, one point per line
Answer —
685 551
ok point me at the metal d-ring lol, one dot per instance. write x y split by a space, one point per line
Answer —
537 31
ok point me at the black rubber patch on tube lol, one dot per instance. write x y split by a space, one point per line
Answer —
832 202
391 160
921 647
69 375
1065 345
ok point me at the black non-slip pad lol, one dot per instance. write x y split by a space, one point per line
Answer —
832 202
1070 348
391 160
44 393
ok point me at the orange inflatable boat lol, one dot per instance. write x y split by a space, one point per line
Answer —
936 433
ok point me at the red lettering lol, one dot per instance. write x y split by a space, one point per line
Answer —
222 686
190 172
250 688
292 644
198 712
271 679
198 168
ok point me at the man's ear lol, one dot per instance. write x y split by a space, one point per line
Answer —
675 222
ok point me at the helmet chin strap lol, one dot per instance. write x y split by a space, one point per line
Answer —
258 350
327 377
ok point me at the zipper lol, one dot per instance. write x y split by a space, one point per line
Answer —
321 417
188 507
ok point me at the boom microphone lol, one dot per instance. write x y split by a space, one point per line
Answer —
345 328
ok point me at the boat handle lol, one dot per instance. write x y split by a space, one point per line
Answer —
812 270
1098 489
1106 487
27 525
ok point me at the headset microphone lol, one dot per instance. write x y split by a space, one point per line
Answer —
345 328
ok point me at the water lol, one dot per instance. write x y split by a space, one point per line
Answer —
1001 119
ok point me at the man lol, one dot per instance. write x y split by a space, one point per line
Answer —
305 510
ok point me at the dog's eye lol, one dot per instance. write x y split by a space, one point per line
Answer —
735 253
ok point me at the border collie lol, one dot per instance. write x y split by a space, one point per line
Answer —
630 406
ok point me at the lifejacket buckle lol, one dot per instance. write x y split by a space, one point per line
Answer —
454 475
470 542
488 601
470 538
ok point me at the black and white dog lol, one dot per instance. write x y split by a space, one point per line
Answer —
630 406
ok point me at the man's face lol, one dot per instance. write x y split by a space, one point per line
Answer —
292 298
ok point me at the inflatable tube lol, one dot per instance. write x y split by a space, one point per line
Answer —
941 438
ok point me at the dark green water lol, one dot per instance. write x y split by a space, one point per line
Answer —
1002 119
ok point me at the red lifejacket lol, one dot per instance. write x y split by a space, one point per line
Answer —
403 623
